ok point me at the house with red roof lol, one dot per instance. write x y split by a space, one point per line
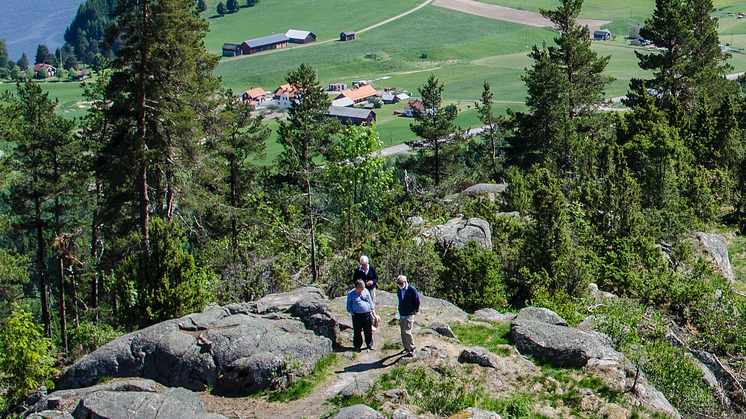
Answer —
254 97
360 94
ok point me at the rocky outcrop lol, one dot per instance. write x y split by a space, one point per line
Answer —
486 188
442 329
173 403
493 315
480 356
358 411
231 348
475 413
726 383
543 334
458 232
717 248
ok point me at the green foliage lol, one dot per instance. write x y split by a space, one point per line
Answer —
303 387
432 125
232 6
88 337
678 376
221 9
494 338
472 278
162 283
25 361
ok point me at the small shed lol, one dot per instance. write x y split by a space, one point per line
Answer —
389 99
300 37
601 35
347 36
352 116
231 50
634 32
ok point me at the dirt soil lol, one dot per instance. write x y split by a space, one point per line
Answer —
507 14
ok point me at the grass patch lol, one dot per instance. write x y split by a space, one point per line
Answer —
304 386
495 339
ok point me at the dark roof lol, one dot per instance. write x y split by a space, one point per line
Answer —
346 112
267 40
602 32
348 33
228 45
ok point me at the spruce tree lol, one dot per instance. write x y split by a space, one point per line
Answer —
232 6
565 87
305 137
23 62
45 160
201 6
222 11
161 77
3 54
434 125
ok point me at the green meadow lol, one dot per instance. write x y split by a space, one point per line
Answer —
463 51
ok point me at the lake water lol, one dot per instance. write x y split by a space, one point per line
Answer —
24 24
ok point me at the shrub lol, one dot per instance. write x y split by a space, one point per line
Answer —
88 336
164 282
472 278
25 361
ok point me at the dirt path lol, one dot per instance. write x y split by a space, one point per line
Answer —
507 14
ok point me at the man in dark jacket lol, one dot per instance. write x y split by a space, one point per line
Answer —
409 305
368 275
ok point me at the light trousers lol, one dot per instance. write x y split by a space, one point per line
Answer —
405 325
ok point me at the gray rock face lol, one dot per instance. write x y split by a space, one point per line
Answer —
442 329
476 413
358 411
486 188
228 348
40 401
543 334
173 403
726 382
716 246
316 315
50 414
596 293
493 315
457 232
360 386
480 356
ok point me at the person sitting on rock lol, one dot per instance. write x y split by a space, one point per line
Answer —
360 305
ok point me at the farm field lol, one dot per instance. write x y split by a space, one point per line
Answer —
461 50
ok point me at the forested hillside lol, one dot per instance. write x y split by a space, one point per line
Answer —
152 205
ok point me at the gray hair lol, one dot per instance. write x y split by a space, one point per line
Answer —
363 260
359 283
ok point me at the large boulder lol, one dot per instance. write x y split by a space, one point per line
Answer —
717 248
358 411
543 334
228 348
173 403
458 232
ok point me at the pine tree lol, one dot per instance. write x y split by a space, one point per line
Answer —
232 6
434 125
45 160
3 54
161 79
222 11
565 87
201 6
23 62
493 132
305 136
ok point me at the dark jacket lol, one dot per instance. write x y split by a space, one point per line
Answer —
410 304
372 276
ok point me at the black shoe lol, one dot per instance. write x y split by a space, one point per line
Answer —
357 350
370 347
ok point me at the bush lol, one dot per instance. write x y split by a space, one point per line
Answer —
162 283
25 361
472 279
88 336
